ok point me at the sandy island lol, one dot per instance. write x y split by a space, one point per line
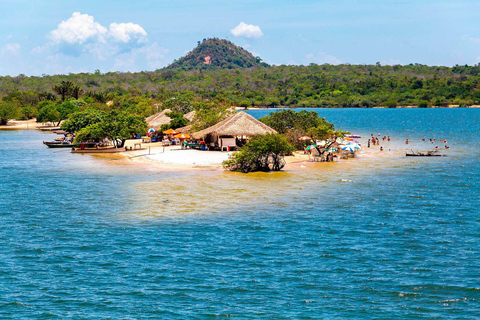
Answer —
174 157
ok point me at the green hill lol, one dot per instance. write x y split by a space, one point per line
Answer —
217 53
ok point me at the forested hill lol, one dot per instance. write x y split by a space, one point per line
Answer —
217 53
305 86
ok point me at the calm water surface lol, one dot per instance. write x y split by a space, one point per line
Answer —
87 237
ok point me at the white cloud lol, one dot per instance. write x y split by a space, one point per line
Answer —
153 56
82 34
247 31
124 32
468 38
322 58
79 29
13 48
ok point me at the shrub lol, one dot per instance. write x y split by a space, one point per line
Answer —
261 153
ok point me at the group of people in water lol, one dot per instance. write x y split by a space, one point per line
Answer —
376 141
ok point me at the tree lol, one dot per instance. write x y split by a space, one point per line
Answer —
64 89
48 112
76 92
83 119
209 113
260 153
117 126
8 111
285 120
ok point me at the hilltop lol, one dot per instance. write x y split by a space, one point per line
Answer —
217 53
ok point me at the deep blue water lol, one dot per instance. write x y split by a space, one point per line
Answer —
86 238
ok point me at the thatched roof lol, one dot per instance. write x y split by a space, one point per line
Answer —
189 116
159 119
240 124
185 129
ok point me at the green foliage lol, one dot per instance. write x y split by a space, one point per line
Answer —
8 111
294 125
48 112
143 93
285 120
209 113
391 104
178 121
83 119
423 104
117 126
179 103
221 53
261 153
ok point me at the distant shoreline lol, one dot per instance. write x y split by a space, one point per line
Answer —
379 107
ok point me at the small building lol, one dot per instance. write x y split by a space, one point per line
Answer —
228 132
159 119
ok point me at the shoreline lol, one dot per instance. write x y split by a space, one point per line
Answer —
378 107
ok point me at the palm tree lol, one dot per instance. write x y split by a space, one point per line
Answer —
76 92
64 89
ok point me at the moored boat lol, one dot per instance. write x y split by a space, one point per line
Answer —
78 149
59 144
425 154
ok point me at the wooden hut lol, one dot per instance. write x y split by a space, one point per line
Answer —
225 133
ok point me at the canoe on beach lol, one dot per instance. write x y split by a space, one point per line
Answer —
58 144
97 150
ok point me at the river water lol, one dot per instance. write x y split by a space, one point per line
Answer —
380 236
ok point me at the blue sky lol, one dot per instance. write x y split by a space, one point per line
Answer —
51 37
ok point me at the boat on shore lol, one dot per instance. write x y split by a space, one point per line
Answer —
79 149
58 144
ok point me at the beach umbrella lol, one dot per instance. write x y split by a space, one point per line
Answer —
304 138
331 149
348 147
170 131
353 136
151 130
354 145
182 136
348 139
311 147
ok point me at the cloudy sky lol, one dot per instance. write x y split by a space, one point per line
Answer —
50 37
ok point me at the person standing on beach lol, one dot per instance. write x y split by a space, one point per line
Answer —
406 141
368 143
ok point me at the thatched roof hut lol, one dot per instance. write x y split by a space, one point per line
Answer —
240 124
185 129
189 116
159 119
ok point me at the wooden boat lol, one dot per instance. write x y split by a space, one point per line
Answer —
78 149
427 154
58 144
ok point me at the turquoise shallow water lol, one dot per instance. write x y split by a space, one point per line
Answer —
86 238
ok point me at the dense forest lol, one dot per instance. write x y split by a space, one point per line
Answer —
189 82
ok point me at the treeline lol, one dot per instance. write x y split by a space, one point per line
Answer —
292 86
